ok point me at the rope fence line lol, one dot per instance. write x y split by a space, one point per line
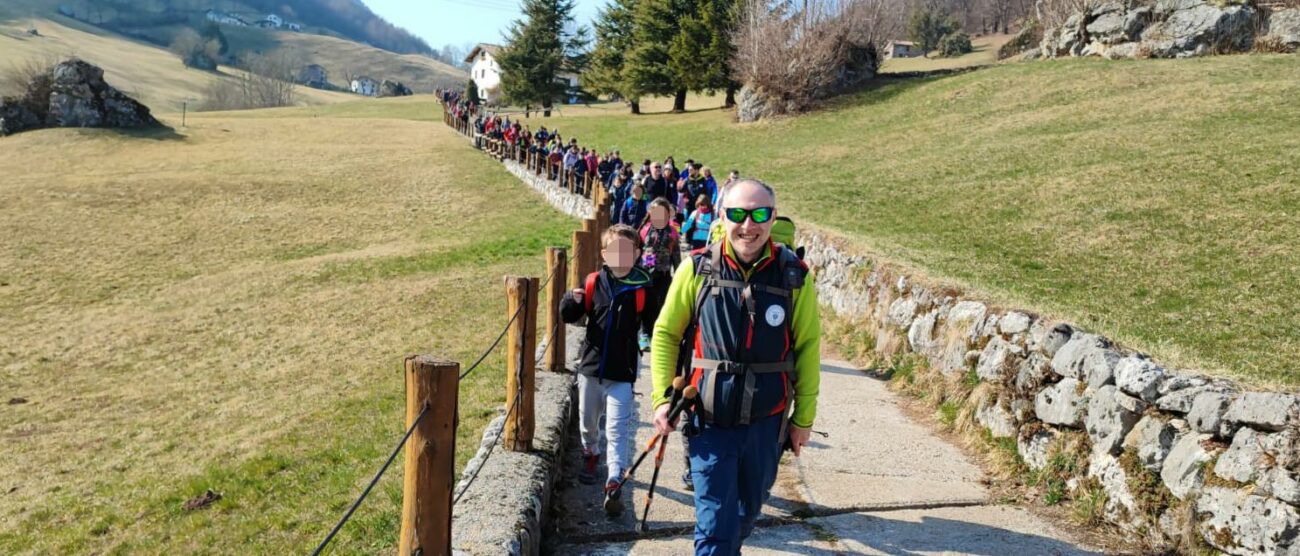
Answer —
425 410
366 493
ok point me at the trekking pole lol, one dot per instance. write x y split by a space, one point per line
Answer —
688 394
675 391
650 493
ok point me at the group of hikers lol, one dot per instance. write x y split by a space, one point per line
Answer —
705 278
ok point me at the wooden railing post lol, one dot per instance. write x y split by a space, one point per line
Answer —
602 219
521 361
557 269
430 455
593 250
581 246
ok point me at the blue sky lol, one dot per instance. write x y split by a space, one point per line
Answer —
457 22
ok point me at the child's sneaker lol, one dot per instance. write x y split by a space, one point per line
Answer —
644 342
590 463
613 499
688 482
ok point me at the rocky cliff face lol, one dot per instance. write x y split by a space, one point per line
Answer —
1170 29
72 94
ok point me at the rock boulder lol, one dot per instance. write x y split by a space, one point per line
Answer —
73 94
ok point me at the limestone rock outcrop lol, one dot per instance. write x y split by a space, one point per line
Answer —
72 94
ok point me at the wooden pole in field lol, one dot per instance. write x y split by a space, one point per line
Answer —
556 268
520 363
581 246
430 455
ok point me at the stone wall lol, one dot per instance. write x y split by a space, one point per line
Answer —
504 509
1167 447
571 204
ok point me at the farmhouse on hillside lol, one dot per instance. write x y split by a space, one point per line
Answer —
224 18
365 86
902 49
484 71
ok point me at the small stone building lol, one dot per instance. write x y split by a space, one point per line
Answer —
902 49
365 86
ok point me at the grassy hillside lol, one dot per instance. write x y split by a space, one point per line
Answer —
1155 201
341 57
148 73
228 309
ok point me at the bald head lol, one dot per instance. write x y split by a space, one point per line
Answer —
747 193
746 237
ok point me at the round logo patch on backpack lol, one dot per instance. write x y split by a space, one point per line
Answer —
775 315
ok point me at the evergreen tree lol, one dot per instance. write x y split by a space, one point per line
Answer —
680 46
721 18
608 73
656 25
212 32
537 50
927 26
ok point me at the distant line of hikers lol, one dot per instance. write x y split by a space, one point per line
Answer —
737 320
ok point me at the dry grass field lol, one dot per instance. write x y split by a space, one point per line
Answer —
227 307
149 74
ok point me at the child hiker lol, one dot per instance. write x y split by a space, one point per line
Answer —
697 226
634 207
659 238
613 300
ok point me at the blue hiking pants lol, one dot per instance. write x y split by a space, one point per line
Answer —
733 470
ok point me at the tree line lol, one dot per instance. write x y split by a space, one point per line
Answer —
642 48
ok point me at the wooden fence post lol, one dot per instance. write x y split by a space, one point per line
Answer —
602 219
556 268
521 361
581 246
430 455
593 250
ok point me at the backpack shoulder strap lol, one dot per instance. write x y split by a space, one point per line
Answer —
793 270
590 290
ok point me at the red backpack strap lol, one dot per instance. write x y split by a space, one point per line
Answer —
640 300
590 290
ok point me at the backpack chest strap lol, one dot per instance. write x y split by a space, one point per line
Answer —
737 367
712 368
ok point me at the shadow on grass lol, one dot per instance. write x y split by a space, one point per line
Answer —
160 133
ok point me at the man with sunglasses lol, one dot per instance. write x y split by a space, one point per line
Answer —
748 311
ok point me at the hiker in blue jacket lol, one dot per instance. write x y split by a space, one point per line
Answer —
634 207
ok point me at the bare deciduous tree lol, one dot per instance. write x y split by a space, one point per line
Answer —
15 77
795 56
267 82
1053 13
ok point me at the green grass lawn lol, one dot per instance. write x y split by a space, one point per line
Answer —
228 309
1154 201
